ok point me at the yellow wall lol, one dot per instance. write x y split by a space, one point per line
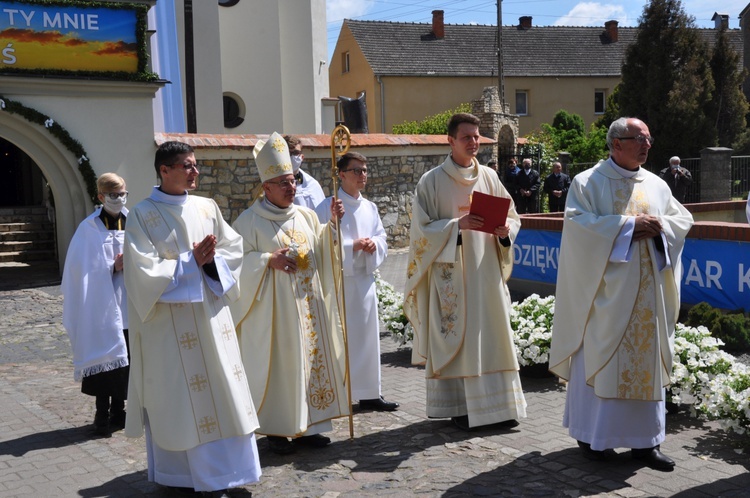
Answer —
414 98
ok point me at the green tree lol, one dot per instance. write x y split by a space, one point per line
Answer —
567 133
729 106
437 124
667 82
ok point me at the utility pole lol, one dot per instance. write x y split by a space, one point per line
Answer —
500 82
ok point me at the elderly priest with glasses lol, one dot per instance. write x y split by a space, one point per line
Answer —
618 300
287 317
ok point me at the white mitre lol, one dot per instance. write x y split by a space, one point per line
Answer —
272 158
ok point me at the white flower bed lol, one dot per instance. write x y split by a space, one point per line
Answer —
712 382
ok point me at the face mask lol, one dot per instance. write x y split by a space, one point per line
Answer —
296 162
114 206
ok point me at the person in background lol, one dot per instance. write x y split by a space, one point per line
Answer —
678 179
287 317
528 184
510 180
456 297
309 192
556 186
493 165
95 312
364 249
188 387
622 240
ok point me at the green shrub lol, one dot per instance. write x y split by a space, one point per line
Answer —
732 328
437 124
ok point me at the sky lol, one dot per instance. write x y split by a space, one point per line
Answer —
543 12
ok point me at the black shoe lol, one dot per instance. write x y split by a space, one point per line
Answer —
101 424
596 455
117 421
221 493
653 458
462 423
508 424
177 491
316 440
280 445
378 405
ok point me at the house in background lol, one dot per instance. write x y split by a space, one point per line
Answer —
412 70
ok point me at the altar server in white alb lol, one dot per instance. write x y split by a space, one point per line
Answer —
95 311
288 317
364 249
618 300
309 193
187 383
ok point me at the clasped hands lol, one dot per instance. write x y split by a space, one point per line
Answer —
646 227
205 250
364 244
474 222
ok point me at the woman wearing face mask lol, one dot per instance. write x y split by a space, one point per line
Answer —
95 312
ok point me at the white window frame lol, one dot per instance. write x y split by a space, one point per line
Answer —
345 68
525 94
604 101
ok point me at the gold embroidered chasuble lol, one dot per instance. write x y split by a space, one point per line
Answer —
456 295
622 313
186 371
288 324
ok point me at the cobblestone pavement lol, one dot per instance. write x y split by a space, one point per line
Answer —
47 449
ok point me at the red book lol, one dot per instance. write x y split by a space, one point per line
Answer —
493 209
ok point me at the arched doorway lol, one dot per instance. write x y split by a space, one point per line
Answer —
42 182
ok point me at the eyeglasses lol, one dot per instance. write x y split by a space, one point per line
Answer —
186 166
357 171
641 139
285 183
115 195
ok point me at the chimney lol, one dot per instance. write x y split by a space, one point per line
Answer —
721 21
438 24
610 31
524 22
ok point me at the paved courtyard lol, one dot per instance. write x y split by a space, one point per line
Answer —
47 449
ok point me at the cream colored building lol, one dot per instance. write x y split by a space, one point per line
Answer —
412 70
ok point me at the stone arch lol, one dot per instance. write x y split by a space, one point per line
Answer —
60 168
506 136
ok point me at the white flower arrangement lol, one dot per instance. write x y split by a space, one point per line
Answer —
391 311
531 322
711 381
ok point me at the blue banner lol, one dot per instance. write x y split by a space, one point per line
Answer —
714 271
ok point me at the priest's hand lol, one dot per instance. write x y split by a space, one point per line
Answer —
118 262
502 231
281 262
470 222
646 227
364 244
205 250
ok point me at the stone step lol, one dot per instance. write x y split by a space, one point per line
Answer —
24 218
23 210
26 235
26 227
26 245
33 255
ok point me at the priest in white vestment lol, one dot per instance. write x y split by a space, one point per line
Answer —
364 249
618 298
309 192
95 310
288 318
456 293
188 386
